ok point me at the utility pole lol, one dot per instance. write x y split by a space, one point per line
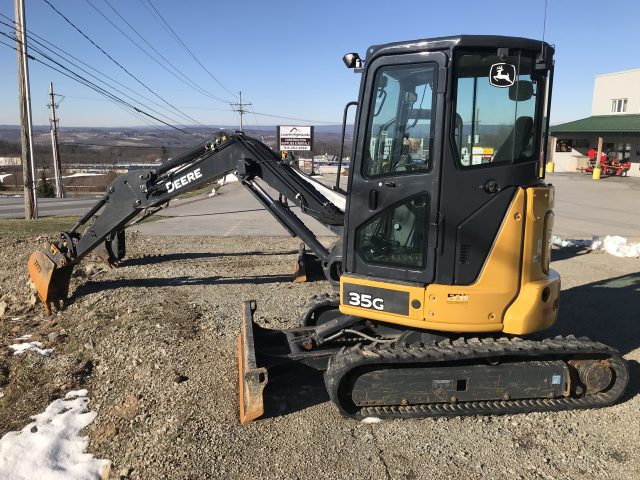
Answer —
239 107
28 163
57 169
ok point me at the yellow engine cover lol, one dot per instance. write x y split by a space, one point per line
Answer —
515 292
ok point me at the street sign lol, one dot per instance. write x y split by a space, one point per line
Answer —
292 137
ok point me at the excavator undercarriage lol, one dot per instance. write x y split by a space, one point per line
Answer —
390 374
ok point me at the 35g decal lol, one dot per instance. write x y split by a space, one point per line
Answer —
365 301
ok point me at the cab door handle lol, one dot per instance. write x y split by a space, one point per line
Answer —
373 200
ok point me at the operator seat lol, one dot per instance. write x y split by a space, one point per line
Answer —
516 142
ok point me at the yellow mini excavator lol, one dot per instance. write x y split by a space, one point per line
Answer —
444 242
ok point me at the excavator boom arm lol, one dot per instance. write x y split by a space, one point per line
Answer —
140 193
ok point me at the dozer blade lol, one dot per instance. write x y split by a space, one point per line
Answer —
51 281
264 350
252 379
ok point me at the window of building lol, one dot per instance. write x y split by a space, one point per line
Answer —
563 145
619 105
620 152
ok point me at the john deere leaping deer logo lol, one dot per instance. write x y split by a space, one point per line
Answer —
502 75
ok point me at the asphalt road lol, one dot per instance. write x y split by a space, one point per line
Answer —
584 207
231 212
13 207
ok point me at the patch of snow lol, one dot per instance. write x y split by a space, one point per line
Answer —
369 420
19 348
80 175
51 447
23 338
228 179
1 394
618 246
564 242
611 244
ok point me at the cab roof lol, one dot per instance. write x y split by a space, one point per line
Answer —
448 43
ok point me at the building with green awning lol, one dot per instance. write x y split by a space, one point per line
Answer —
615 117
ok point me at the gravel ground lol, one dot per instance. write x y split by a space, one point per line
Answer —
155 344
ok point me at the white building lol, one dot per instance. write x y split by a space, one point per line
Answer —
615 116
617 93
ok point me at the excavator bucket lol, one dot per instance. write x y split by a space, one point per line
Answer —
50 280
252 379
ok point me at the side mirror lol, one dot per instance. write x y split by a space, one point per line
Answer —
410 97
521 91
352 60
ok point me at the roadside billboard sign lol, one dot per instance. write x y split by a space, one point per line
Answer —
295 137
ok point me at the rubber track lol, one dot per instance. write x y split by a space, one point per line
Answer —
474 349
326 300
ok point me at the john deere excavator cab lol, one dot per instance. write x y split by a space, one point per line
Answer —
446 247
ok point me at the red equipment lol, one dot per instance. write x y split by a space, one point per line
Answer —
611 164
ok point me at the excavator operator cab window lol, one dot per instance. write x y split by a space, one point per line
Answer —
400 131
496 104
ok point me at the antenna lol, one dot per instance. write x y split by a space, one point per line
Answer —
544 21
542 58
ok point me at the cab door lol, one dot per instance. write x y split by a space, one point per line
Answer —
392 212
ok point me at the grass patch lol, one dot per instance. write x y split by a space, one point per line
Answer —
17 227
14 227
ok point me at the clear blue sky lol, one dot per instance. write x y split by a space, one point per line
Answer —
285 56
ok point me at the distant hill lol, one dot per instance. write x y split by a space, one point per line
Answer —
118 144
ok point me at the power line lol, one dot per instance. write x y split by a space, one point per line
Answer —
239 107
113 59
36 49
175 72
67 54
175 35
30 34
203 90
296 119
254 116
253 112
75 76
